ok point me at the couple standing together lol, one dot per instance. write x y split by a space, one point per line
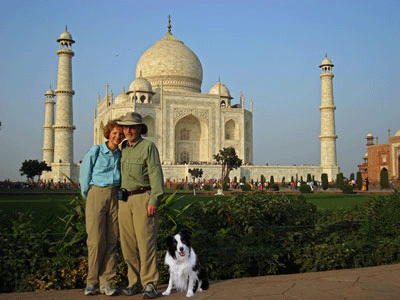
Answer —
104 171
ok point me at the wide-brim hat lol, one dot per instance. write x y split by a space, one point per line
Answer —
132 118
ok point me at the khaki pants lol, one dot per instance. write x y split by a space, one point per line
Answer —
102 230
138 234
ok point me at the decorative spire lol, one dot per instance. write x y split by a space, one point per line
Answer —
219 79
169 23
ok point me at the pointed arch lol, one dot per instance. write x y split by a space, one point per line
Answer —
231 130
191 139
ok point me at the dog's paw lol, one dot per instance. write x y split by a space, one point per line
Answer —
190 294
166 293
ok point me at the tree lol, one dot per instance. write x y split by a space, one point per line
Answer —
262 182
229 160
359 180
271 180
352 176
324 181
339 180
308 177
195 173
31 168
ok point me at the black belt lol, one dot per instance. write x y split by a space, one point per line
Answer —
139 191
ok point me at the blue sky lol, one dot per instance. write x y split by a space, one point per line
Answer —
268 50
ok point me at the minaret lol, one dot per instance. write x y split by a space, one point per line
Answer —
328 136
63 129
48 133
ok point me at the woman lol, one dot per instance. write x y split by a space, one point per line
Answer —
100 178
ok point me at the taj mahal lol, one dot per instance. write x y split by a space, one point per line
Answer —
187 125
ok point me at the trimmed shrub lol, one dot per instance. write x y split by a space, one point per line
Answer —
275 187
339 180
207 187
308 177
347 189
246 187
305 188
324 181
359 180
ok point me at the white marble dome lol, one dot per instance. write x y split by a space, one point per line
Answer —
171 62
397 133
140 85
221 90
122 98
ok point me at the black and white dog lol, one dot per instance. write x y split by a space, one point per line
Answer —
185 272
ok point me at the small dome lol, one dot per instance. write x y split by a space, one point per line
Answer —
140 85
366 155
121 98
369 135
66 36
397 133
221 90
49 93
326 62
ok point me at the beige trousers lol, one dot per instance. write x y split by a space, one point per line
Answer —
102 231
138 235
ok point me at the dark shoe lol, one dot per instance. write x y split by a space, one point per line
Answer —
150 292
132 290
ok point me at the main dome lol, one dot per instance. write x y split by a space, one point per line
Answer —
171 63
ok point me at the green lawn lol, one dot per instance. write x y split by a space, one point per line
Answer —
44 207
332 201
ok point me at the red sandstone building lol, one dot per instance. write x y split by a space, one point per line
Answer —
382 158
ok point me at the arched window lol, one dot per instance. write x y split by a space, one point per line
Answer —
142 98
223 104
231 131
184 157
184 134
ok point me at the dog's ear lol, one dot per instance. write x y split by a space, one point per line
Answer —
169 241
186 234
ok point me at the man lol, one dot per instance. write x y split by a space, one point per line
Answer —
142 177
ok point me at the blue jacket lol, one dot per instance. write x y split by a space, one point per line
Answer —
100 167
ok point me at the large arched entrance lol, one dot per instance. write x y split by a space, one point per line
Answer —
191 140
